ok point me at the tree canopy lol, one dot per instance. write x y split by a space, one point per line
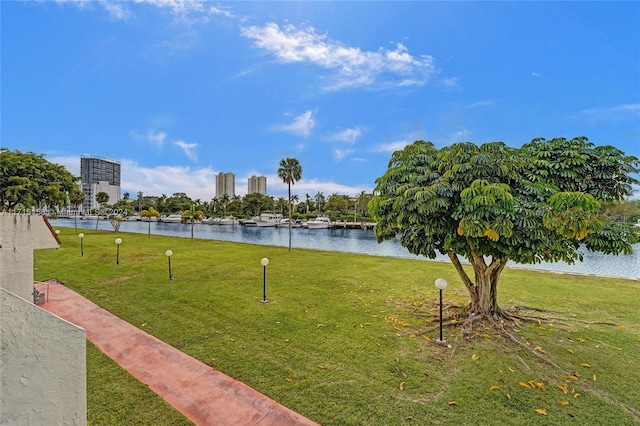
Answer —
490 204
29 180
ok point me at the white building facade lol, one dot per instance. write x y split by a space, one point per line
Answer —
226 184
99 175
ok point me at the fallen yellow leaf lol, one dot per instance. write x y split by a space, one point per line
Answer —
541 411
452 403
512 370
508 396
524 385
539 349
581 340
475 357
289 379
576 395
492 388
594 377
585 365
426 337
570 351
486 335
402 385
564 388
564 402
540 385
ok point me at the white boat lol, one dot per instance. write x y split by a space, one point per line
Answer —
172 218
295 223
228 220
249 222
268 219
214 221
320 222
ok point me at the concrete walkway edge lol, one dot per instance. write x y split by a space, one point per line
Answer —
203 394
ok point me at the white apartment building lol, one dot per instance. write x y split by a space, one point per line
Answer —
257 184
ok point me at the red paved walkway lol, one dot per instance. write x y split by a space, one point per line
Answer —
202 394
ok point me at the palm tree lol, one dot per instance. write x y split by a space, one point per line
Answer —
319 200
139 200
76 198
192 214
102 198
355 207
149 214
290 171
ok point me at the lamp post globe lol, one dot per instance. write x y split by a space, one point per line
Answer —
169 253
441 284
81 236
118 242
264 262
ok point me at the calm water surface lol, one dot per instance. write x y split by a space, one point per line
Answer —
352 241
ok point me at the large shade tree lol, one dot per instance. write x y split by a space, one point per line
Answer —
29 180
492 204
290 171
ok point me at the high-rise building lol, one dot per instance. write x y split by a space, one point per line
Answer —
257 184
225 184
99 175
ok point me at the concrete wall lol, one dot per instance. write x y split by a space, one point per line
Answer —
42 366
19 236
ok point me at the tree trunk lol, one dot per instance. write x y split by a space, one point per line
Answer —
483 290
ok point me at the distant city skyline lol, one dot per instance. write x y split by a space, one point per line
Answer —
178 92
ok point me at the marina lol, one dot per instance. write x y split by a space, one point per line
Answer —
361 241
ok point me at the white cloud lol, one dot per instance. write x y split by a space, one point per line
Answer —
451 84
156 138
391 146
301 125
276 187
347 135
177 7
196 183
188 148
481 104
340 154
459 136
536 74
351 66
117 10
616 113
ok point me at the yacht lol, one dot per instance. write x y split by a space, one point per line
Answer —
268 219
320 222
172 218
295 223
228 220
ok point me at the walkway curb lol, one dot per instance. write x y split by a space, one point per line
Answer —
204 395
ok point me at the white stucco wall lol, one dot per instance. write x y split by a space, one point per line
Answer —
19 236
42 366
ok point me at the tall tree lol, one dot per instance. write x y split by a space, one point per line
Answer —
192 215
76 197
490 204
148 214
28 180
290 171
102 198
140 194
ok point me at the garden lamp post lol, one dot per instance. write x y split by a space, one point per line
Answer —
118 242
81 236
441 284
57 232
264 263
169 253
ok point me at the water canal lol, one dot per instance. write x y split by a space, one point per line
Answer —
352 241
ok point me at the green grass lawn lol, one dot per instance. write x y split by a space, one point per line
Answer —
349 339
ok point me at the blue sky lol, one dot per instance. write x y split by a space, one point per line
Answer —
179 91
